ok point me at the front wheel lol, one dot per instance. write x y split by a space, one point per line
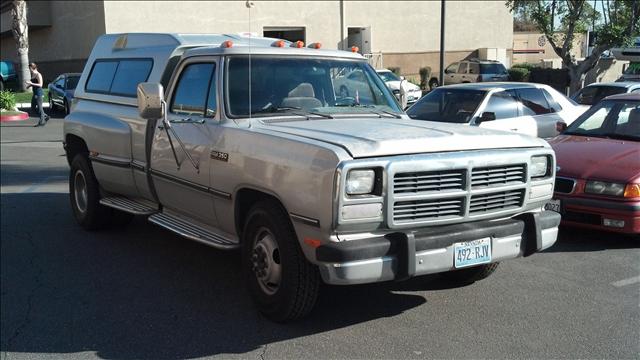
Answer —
282 283
471 274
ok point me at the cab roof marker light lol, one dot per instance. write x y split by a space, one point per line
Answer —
315 45
354 49
298 44
278 43
227 44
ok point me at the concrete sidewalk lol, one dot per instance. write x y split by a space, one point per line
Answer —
28 105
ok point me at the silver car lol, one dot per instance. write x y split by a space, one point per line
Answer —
469 71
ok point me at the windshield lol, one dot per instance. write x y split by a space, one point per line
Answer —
303 84
447 105
492 69
592 94
611 119
388 76
72 82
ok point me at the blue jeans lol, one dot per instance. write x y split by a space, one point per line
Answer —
36 105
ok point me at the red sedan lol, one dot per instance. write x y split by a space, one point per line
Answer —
598 174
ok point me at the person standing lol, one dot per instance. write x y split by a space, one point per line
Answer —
38 94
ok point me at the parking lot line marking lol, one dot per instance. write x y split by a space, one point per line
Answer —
626 282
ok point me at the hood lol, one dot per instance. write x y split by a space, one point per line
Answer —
371 137
395 85
585 157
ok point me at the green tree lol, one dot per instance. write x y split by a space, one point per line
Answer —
561 20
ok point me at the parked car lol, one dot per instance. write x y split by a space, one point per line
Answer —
593 93
474 70
61 91
598 176
393 81
527 108
7 73
263 154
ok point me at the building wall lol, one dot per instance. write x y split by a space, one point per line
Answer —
531 47
65 45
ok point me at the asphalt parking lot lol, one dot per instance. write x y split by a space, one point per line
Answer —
144 293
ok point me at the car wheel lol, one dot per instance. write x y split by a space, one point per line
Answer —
66 107
1 85
471 274
344 92
433 83
283 284
84 194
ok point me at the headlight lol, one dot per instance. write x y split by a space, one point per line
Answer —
604 188
360 182
539 166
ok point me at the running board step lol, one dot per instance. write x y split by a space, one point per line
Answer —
128 205
192 231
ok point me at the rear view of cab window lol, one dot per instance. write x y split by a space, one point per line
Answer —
102 76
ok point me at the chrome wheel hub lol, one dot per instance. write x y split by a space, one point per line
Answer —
265 261
80 191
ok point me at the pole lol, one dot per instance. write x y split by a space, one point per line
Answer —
441 82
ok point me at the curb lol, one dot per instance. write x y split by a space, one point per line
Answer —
19 117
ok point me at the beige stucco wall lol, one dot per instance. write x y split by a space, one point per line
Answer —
532 41
67 43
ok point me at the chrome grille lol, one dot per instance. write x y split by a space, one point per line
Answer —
410 211
497 201
498 175
429 181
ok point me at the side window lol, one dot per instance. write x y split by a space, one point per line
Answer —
452 68
463 68
128 75
587 95
534 102
474 68
191 94
553 104
635 91
101 76
503 104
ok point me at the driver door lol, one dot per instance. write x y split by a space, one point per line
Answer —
180 156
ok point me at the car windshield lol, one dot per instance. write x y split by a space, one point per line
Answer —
447 105
492 69
616 119
592 94
305 85
388 76
72 82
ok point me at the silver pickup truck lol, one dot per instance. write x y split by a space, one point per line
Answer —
301 158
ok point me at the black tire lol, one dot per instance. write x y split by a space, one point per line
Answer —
433 83
297 290
471 274
66 107
85 202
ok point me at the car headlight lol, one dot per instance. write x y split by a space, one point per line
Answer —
539 166
360 182
604 188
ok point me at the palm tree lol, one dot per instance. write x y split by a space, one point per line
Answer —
20 30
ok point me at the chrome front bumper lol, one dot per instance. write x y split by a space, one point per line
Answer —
398 256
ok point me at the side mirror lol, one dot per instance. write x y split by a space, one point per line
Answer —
561 126
486 116
150 99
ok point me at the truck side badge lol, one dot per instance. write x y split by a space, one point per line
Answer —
217 155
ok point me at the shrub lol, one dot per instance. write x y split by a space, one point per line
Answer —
395 70
519 74
7 100
425 74
527 66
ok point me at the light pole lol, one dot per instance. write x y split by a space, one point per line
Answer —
441 82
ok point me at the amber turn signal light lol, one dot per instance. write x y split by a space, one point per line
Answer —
227 44
632 190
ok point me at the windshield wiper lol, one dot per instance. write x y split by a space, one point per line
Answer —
298 111
373 110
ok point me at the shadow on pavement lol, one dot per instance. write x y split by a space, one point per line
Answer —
144 293
24 174
580 240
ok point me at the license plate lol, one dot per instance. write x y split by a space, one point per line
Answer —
553 205
472 252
